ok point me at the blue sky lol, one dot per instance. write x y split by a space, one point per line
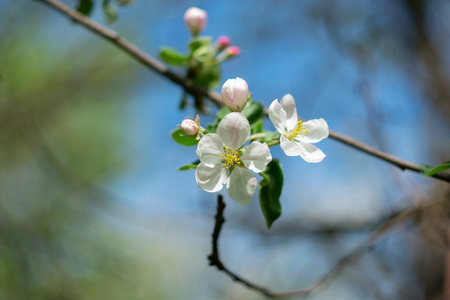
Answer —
285 48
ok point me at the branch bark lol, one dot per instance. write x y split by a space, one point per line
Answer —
194 90
397 220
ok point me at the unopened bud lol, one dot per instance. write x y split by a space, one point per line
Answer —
223 42
189 127
195 19
235 93
233 50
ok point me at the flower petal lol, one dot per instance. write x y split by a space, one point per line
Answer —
308 152
241 185
211 179
234 130
288 104
209 149
257 156
278 116
317 131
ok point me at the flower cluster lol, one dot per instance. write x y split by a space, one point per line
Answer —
236 145
223 157
202 62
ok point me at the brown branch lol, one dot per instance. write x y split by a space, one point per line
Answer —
194 90
214 259
132 50
379 234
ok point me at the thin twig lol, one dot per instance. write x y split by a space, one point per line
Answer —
214 259
379 234
194 90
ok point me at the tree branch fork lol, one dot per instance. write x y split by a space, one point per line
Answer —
377 235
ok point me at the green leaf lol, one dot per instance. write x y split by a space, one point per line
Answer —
124 2
207 76
172 56
110 11
180 137
257 127
266 136
223 112
190 166
270 191
85 7
430 171
254 111
199 42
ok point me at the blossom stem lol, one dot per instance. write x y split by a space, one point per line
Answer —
255 136
274 142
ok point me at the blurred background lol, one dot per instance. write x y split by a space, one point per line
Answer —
92 205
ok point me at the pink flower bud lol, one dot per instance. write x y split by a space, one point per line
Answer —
195 19
233 50
189 127
223 41
235 93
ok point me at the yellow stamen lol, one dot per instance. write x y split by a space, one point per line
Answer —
297 131
230 157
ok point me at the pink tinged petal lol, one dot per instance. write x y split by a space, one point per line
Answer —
308 152
317 131
257 156
235 93
189 127
195 19
209 149
234 130
241 185
288 105
278 116
211 179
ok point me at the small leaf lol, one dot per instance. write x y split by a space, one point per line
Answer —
207 76
85 7
172 56
192 166
254 111
430 171
267 137
223 112
180 137
270 191
199 42
110 11
124 2
257 127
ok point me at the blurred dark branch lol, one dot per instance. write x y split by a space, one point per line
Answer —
132 50
194 90
394 223
214 259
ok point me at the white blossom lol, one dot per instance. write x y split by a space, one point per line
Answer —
222 160
297 136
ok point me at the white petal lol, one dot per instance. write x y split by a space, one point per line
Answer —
210 179
288 104
209 149
234 130
317 131
257 156
308 152
241 185
278 116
